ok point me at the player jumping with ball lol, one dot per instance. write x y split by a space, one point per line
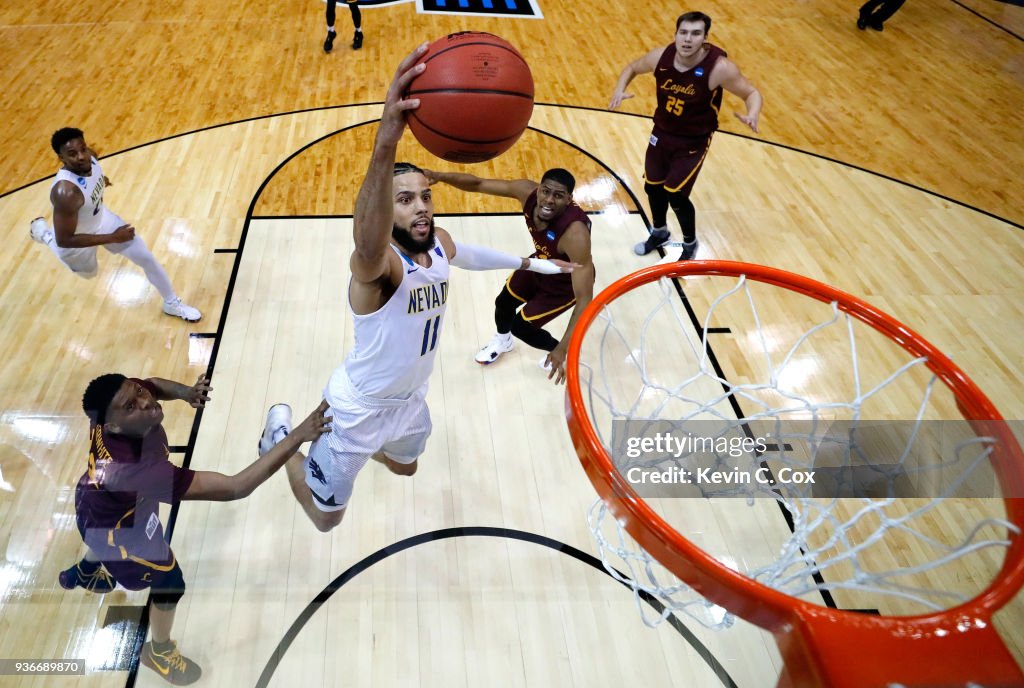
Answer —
398 293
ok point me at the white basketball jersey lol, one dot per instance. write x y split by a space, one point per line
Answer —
91 212
395 345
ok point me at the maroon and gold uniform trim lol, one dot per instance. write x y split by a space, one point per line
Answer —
508 285
547 314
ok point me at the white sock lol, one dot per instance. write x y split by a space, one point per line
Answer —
330 29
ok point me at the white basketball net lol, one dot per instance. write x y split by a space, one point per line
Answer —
832 396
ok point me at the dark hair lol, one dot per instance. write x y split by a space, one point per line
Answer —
62 136
563 177
694 17
403 167
98 395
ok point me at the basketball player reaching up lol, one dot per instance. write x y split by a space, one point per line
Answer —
398 291
81 222
357 22
117 500
558 228
690 74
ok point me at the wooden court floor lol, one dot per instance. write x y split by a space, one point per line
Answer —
885 166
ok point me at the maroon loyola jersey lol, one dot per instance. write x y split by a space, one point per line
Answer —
118 497
686 104
545 241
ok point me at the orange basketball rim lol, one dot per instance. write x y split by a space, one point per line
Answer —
823 646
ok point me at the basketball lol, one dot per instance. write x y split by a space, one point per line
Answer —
476 97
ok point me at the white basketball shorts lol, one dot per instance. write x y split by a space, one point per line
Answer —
360 427
82 261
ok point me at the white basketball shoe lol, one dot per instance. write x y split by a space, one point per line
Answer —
499 344
277 427
182 310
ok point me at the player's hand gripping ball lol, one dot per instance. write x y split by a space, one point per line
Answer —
476 97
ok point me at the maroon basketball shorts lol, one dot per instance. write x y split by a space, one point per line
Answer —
675 161
138 562
162 577
546 296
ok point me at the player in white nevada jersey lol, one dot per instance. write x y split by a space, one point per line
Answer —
81 222
398 293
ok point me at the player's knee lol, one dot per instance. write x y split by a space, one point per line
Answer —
168 590
679 200
506 302
654 189
88 273
325 526
166 600
326 521
404 469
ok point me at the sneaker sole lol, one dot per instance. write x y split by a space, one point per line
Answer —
493 360
175 315
643 246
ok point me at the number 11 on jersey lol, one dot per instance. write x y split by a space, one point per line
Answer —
430 335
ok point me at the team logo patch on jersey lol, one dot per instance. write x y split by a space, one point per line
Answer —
151 525
314 469
81 182
699 71
550 235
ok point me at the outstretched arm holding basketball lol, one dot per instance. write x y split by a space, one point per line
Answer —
519 189
374 213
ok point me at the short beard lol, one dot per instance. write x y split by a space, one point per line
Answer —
404 239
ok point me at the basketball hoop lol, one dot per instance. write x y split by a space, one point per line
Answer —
635 365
